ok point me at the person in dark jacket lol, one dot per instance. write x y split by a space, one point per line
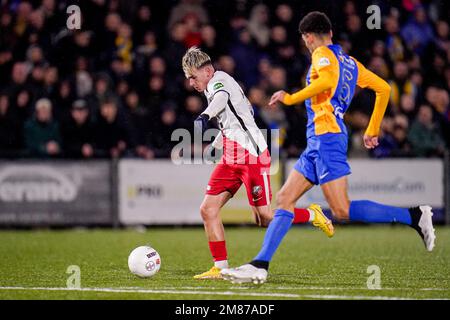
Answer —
78 132
112 136
11 130
42 136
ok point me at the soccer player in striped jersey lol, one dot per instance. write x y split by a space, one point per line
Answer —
245 160
331 83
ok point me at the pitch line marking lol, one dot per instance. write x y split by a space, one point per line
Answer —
223 293
297 288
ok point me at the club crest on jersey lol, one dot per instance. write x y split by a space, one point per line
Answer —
217 86
323 62
257 193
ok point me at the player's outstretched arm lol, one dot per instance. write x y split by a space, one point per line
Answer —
327 69
322 83
277 97
368 79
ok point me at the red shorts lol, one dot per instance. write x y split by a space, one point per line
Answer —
255 177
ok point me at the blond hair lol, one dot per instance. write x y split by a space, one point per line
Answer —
194 58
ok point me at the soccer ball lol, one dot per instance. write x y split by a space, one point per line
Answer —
144 261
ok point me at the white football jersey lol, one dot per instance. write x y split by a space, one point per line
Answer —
234 114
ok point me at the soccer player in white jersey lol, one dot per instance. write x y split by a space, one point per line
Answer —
245 160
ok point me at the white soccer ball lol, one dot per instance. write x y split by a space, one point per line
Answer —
144 261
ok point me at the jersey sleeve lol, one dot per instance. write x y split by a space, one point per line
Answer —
218 103
327 68
368 79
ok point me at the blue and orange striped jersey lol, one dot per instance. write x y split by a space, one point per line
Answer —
331 82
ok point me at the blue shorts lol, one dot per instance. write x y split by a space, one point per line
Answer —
325 158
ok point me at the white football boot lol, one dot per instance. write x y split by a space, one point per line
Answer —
245 274
423 223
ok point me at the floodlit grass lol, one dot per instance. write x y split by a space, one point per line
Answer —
308 265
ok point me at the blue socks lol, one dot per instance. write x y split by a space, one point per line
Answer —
362 211
372 212
278 227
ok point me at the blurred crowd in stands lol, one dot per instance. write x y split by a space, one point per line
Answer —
115 88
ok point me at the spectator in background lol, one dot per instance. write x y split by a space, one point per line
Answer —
39 57
209 43
78 132
146 48
42 136
140 125
277 78
63 99
246 57
408 107
11 130
400 84
226 64
442 39
395 44
102 91
258 100
185 8
113 21
157 66
50 87
438 98
83 79
275 117
124 45
424 134
281 50
379 66
162 139
23 105
35 57
416 78
193 106
193 36
155 96
19 75
258 25
284 17
418 31
112 135
393 140
143 24
358 37
435 72
175 49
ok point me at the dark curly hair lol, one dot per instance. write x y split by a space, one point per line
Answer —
315 22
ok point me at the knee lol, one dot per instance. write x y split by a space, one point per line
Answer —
265 220
263 216
340 212
208 212
283 200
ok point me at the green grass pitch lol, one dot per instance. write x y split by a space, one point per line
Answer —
308 265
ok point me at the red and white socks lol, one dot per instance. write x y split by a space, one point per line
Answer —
303 216
219 252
